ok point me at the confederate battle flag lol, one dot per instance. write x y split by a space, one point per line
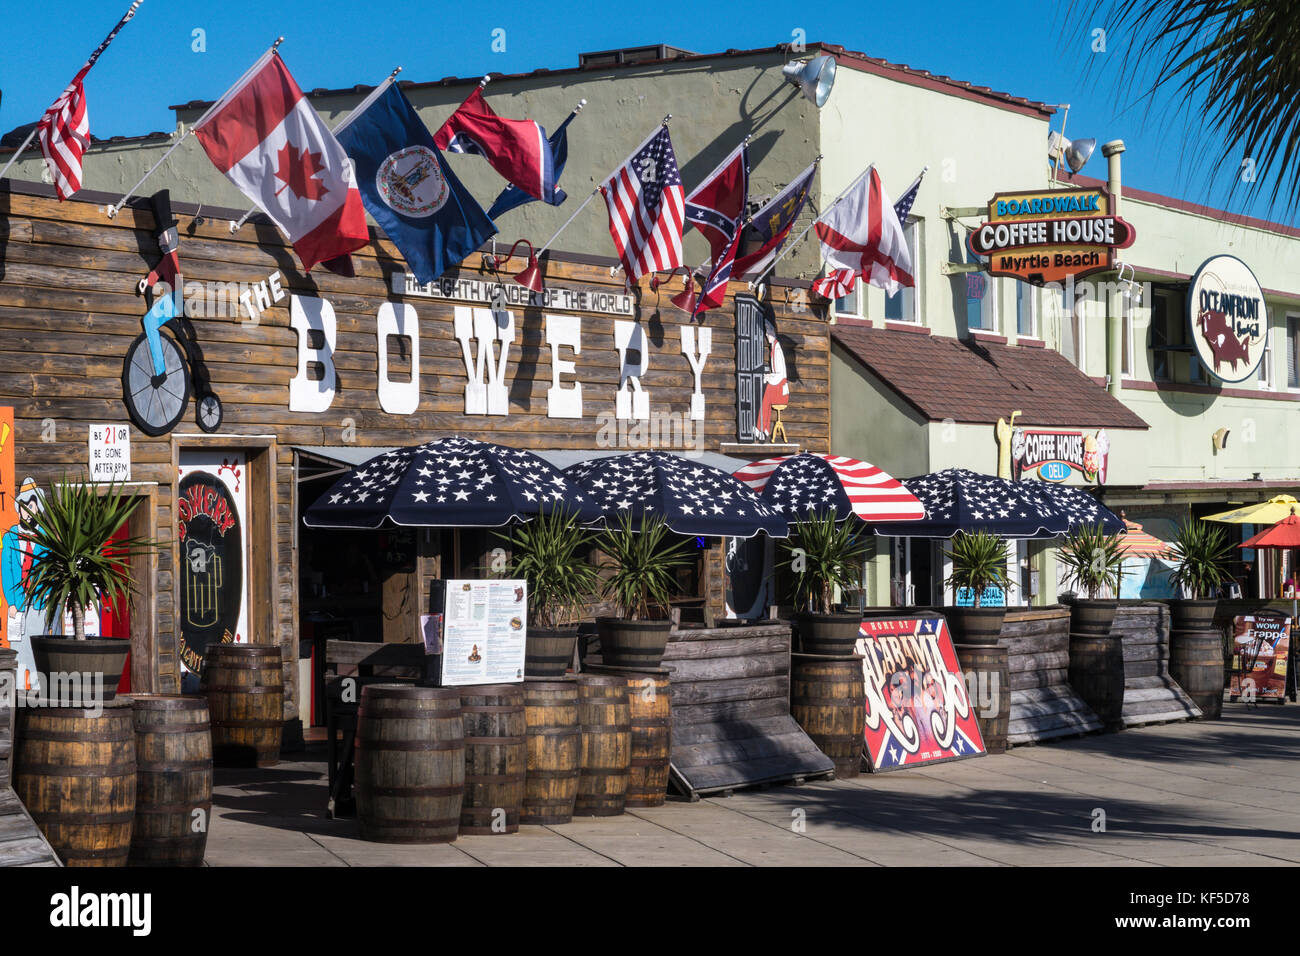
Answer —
269 141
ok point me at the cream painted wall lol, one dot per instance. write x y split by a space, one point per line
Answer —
870 422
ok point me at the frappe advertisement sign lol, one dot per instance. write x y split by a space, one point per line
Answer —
1229 321
1049 235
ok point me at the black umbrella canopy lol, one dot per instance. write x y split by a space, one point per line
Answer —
448 483
959 500
691 497
1082 509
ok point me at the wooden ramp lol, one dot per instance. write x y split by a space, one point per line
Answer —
1151 696
1043 705
731 711
21 842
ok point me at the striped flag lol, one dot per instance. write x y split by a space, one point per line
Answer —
647 208
797 484
64 130
862 237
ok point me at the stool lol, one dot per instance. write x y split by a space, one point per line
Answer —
778 427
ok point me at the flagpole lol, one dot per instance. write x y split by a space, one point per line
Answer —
114 209
352 114
82 72
790 245
602 182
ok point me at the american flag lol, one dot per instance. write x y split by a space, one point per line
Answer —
797 484
647 203
64 130
903 208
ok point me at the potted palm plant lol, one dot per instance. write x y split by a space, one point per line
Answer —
979 562
823 557
1202 556
549 553
77 564
1094 562
642 561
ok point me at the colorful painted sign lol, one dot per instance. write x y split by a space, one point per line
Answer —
8 524
1259 655
20 618
1056 455
1048 235
1229 320
918 707
484 632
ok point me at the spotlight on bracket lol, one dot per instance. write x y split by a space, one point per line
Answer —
814 78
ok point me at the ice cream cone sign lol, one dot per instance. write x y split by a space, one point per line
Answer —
1005 430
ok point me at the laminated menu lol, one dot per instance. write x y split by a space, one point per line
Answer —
484 627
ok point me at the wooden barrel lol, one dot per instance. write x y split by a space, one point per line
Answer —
606 762
496 758
988 686
173 780
1097 675
1196 663
244 686
554 744
649 698
76 776
8 693
410 763
828 700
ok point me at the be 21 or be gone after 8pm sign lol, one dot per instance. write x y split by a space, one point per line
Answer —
1049 235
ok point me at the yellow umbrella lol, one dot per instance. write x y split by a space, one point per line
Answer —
1265 512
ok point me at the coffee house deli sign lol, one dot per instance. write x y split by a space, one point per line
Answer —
1049 235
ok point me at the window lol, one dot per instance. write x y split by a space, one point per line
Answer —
850 306
1126 359
1264 374
903 305
1026 310
1173 356
1074 316
1293 351
981 297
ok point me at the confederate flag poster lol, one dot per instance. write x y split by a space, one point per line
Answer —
918 708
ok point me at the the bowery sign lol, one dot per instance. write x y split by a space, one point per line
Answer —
512 295
1047 236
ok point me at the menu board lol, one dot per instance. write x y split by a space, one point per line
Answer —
484 627
1259 655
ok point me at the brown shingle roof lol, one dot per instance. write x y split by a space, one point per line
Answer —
980 382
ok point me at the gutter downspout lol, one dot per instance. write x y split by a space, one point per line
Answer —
1115 305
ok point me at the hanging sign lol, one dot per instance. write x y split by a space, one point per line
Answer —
1056 455
502 295
1229 321
110 453
1259 655
484 629
210 531
918 708
1048 235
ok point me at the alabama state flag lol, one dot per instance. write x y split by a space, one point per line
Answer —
269 141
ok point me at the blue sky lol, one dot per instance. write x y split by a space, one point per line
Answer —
1024 47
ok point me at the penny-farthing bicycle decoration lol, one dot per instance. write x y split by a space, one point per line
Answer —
164 365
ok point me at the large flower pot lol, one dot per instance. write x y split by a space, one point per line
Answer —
975 625
1192 615
1092 616
549 652
831 635
625 643
69 667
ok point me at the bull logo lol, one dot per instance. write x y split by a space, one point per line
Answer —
1216 329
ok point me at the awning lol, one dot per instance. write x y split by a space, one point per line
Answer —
326 461
563 458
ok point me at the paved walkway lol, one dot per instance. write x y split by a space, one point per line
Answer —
1223 792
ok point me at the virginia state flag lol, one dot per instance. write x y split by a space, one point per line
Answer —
517 149
413 196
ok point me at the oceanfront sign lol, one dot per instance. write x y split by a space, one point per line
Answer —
1047 236
1229 321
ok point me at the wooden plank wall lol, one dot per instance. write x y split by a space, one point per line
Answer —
8 695
1151 696
68 312
1043 705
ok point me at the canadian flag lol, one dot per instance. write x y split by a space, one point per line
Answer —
862 237
269 141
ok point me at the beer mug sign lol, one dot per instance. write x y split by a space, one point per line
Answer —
210 532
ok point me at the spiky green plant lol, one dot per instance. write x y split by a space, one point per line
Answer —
549 553
1202 554
1093 559
979 561
76 564
643 559
822 556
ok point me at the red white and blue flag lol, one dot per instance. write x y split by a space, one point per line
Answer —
517 149
862 238
271 143
647 211
766 231
716 208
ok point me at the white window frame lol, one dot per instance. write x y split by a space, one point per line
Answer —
1284 384
1264 375
1128 356
859 299
1077 321
1031 292
910 296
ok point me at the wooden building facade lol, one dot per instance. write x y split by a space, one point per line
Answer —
329 367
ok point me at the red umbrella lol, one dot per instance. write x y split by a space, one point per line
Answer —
1284 534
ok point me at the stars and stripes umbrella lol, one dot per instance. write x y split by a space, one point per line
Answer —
1082 509
959 500
691 497
795 485
449 483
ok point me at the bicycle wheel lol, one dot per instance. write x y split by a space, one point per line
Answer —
156 402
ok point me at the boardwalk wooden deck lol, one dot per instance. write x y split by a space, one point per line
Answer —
21 842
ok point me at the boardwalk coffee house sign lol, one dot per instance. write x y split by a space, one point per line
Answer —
1050 235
